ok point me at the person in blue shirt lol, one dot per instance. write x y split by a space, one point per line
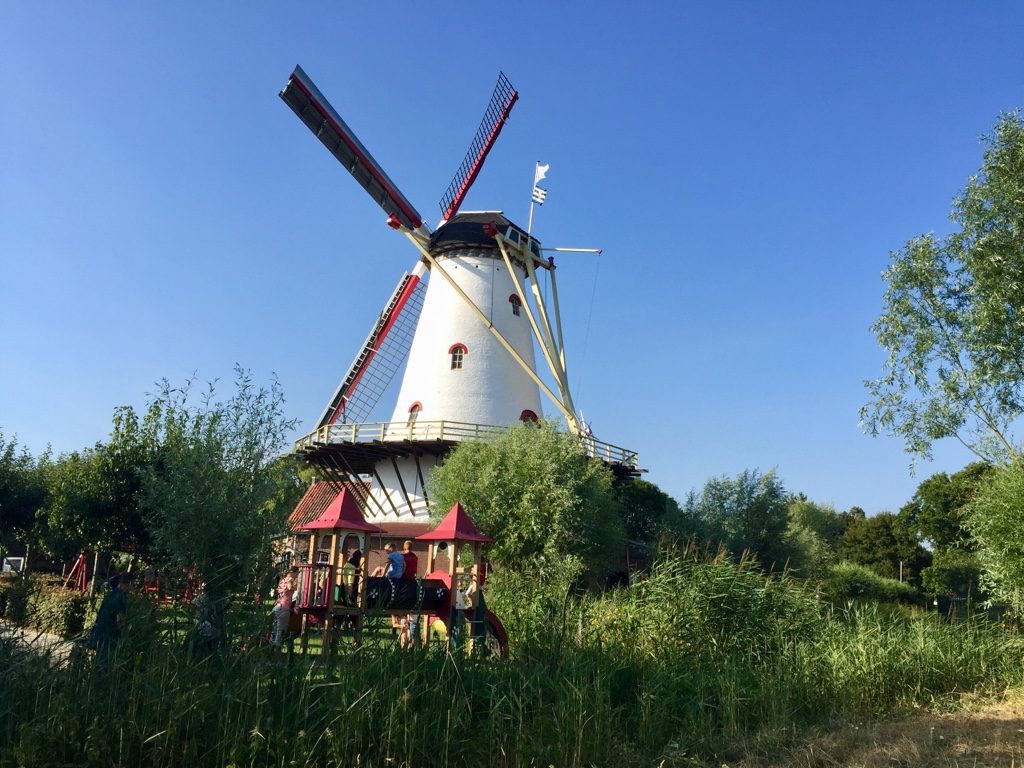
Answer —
396 562
395 566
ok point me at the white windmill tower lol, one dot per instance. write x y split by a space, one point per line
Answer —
468 336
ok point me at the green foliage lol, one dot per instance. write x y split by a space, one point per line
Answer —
995 517
955 572
646 511
535 492
934 512
882 543
849 581
92 505
22 492
748 513
706 609
210 479
56 610
14 597
533 604
953 321
666 672
813 535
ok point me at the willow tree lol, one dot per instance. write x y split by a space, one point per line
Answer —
210 490
953 318
534 491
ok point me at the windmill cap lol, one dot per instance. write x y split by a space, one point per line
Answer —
468 230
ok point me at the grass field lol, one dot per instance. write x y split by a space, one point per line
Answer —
705 663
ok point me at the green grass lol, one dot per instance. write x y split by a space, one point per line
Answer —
665 673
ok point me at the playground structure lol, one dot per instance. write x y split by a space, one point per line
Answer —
77 578
336 595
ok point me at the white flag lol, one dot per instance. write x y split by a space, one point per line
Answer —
540 173
539 195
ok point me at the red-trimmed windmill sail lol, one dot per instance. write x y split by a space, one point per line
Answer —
498 109
381 355
315 111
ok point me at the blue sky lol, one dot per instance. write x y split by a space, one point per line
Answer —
746 168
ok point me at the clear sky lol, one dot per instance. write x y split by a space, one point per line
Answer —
746 167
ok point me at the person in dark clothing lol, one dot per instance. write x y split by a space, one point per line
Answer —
350 572
110 620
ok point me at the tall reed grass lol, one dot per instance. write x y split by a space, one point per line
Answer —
666 672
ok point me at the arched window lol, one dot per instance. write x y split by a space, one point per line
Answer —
528 416
458 354
414 411
516 304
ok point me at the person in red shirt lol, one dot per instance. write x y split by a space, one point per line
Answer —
411 561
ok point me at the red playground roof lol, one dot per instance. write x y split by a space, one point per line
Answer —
456 526
343 513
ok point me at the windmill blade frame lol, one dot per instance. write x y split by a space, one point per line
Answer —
320 117
503 98
381 355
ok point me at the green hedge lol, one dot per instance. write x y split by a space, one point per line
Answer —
14 594
848 581
57 610
40 602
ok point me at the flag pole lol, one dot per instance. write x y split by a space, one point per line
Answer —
539 172
529 225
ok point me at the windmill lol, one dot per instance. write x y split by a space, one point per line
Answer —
466 335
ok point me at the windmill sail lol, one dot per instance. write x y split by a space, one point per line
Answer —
381 355
498 110
319 116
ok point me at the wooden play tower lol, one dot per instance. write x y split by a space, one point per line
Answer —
335 596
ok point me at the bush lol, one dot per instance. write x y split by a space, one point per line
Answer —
708 607
57 610
14 594
848 581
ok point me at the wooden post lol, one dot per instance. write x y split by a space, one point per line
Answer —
329 585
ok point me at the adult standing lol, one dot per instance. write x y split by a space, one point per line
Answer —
111 618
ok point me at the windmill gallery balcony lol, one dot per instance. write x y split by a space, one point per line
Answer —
365 444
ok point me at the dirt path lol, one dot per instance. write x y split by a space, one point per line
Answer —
977 735
37 641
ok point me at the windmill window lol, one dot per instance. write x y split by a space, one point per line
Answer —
516 304
458 354
414 412
528 416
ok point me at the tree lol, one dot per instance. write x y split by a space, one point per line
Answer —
534 491
646 510
882 543
953 571
92 505
747 513
22 493
813 535
210 479
935 511
953 318
995 518
936 515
